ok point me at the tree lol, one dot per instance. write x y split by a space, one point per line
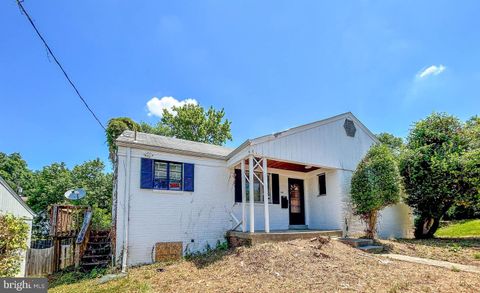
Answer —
49 186
14 170
432 170
115 127
375 185
190 122
98 185
395 144
51 183
13 240
468 204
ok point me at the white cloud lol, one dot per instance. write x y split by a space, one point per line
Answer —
155 105
432 70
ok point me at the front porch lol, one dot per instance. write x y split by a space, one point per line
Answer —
238 238
286 196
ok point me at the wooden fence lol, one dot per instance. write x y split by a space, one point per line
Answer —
40 261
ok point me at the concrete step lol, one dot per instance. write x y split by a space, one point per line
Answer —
371 248
298 227
356 242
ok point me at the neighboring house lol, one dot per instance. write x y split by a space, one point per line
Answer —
13 204
174 190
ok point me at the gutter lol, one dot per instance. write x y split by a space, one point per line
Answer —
126 210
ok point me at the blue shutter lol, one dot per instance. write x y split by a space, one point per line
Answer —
188 176
146 176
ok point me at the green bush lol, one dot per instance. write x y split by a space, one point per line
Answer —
375 185
441 169
13 237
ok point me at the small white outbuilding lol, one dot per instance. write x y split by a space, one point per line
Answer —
11 203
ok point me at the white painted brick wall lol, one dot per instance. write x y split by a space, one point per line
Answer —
162 216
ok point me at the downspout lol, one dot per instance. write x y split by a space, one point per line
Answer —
126 208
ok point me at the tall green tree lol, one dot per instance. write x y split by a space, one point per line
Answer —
14 170
432 170
98 185
395 144
375 185
51 183
468 204
49 186
190 122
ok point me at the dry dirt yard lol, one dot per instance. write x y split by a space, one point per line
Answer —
458 250
295 266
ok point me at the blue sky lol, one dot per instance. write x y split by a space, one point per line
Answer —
271 64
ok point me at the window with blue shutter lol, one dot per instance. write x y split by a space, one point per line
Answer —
166 175
189 174
146 177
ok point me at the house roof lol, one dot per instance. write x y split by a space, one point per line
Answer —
170 144
16 196
182 146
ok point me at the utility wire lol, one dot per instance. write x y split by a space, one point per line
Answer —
19 2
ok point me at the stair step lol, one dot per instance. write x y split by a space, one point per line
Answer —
96 256
356 242
98 263
371 248
298 227
99 242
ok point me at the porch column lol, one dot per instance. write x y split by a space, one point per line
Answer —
244 198
265 196
251 194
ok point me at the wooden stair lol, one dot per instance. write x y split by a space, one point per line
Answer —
99 250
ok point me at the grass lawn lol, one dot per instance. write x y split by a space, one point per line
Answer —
294 266
458 242
467 228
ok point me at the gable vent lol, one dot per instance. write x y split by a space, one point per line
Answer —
349 127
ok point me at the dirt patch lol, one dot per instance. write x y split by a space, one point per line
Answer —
459 250
316 265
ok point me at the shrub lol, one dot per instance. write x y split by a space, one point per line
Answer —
375 185
13 236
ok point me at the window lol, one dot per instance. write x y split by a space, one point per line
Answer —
322 186
258 189
168 175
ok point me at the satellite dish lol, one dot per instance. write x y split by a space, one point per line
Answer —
75 194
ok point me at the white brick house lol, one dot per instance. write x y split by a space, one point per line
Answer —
173 190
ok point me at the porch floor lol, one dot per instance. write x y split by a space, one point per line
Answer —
238 238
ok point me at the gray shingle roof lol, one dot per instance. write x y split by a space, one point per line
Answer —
170 144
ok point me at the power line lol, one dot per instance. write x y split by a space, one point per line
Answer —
19 2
